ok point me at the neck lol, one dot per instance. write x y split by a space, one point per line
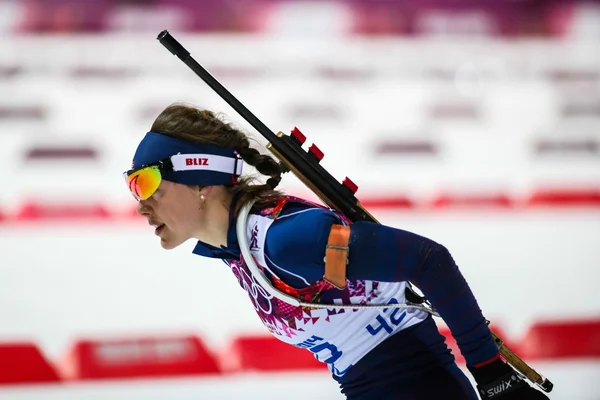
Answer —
215 221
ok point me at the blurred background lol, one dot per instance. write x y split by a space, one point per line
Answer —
476 123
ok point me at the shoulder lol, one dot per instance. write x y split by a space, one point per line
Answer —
297 238
301 223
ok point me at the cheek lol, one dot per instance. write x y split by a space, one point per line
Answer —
182 210
184 214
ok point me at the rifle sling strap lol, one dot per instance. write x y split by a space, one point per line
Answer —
336 255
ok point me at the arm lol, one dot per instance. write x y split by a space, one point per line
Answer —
397 255
381 253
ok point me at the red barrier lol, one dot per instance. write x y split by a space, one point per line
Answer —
266 353
562 339
565 198
387 202
73 211
24 363
472 201
63 211
136 358
134 214
394 201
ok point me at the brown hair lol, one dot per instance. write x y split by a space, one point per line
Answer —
183 121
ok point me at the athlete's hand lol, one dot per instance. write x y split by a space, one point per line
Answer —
497 380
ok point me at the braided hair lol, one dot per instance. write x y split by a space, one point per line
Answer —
187 122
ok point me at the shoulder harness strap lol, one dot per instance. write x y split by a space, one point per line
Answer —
336 255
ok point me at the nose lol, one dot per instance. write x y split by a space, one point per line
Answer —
142 208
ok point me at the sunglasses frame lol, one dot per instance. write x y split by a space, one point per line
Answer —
164 167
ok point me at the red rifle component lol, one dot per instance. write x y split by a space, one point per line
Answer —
298 135
353 187
314 150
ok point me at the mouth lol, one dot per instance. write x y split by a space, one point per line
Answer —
159 229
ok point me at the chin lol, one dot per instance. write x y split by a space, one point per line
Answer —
169 244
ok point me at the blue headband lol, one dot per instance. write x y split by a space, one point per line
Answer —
156 147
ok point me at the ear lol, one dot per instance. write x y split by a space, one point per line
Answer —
206 190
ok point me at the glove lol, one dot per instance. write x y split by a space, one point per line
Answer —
498 380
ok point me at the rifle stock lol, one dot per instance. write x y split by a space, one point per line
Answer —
517 363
